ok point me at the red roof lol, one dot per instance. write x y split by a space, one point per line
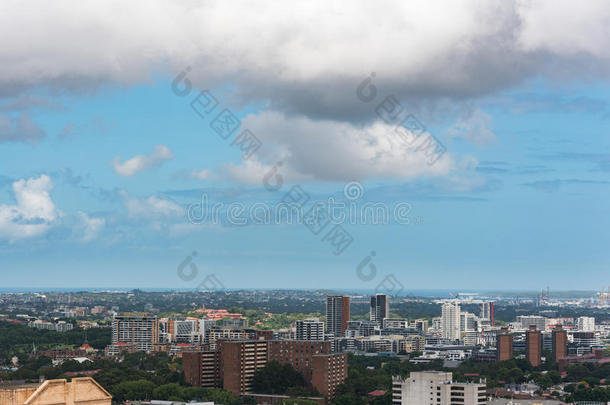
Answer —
376 393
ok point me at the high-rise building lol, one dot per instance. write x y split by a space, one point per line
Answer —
234 363
337 314
309 329
585 324
205 326
450 320
202 368
487 311
533 346
436 387
468 321
239 361
560 343
380 308
136 327
504 345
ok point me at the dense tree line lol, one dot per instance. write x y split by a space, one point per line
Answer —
19 340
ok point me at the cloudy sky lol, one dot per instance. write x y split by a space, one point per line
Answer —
117 119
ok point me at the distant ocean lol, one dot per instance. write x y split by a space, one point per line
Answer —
427 293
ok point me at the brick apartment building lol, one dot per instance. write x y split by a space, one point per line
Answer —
533 346
234 363
239 360
504 345
202 368
560 343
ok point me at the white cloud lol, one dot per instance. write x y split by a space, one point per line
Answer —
89 227
34 213
199 174
420 49
160 154
475 128
331 150
151 208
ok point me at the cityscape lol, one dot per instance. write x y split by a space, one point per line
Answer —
473 348
273 202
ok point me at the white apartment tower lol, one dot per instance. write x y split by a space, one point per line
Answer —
585 324
436 388
309 329
450 320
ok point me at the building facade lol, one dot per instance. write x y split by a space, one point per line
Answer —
533 346
79 391
504 345
560 343
337 314
309 329
450 320
436 388
139 328
380 308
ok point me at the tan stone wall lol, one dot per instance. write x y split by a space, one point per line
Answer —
80 391
15 396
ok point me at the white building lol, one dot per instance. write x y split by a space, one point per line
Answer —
585 324
309 329
468 321
527 320
450 320
435 388
395 323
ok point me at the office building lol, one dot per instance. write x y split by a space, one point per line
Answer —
421 325
560 343
436 388
337 314
585 324
79 391
205 326
136 327
504 345
468 321
450 320
395 323
526 321
487 311
309 329
380 308
533 346
186 330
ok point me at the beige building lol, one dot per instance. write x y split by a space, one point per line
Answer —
80 391
436 388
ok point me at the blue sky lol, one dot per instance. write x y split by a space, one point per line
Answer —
100 158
